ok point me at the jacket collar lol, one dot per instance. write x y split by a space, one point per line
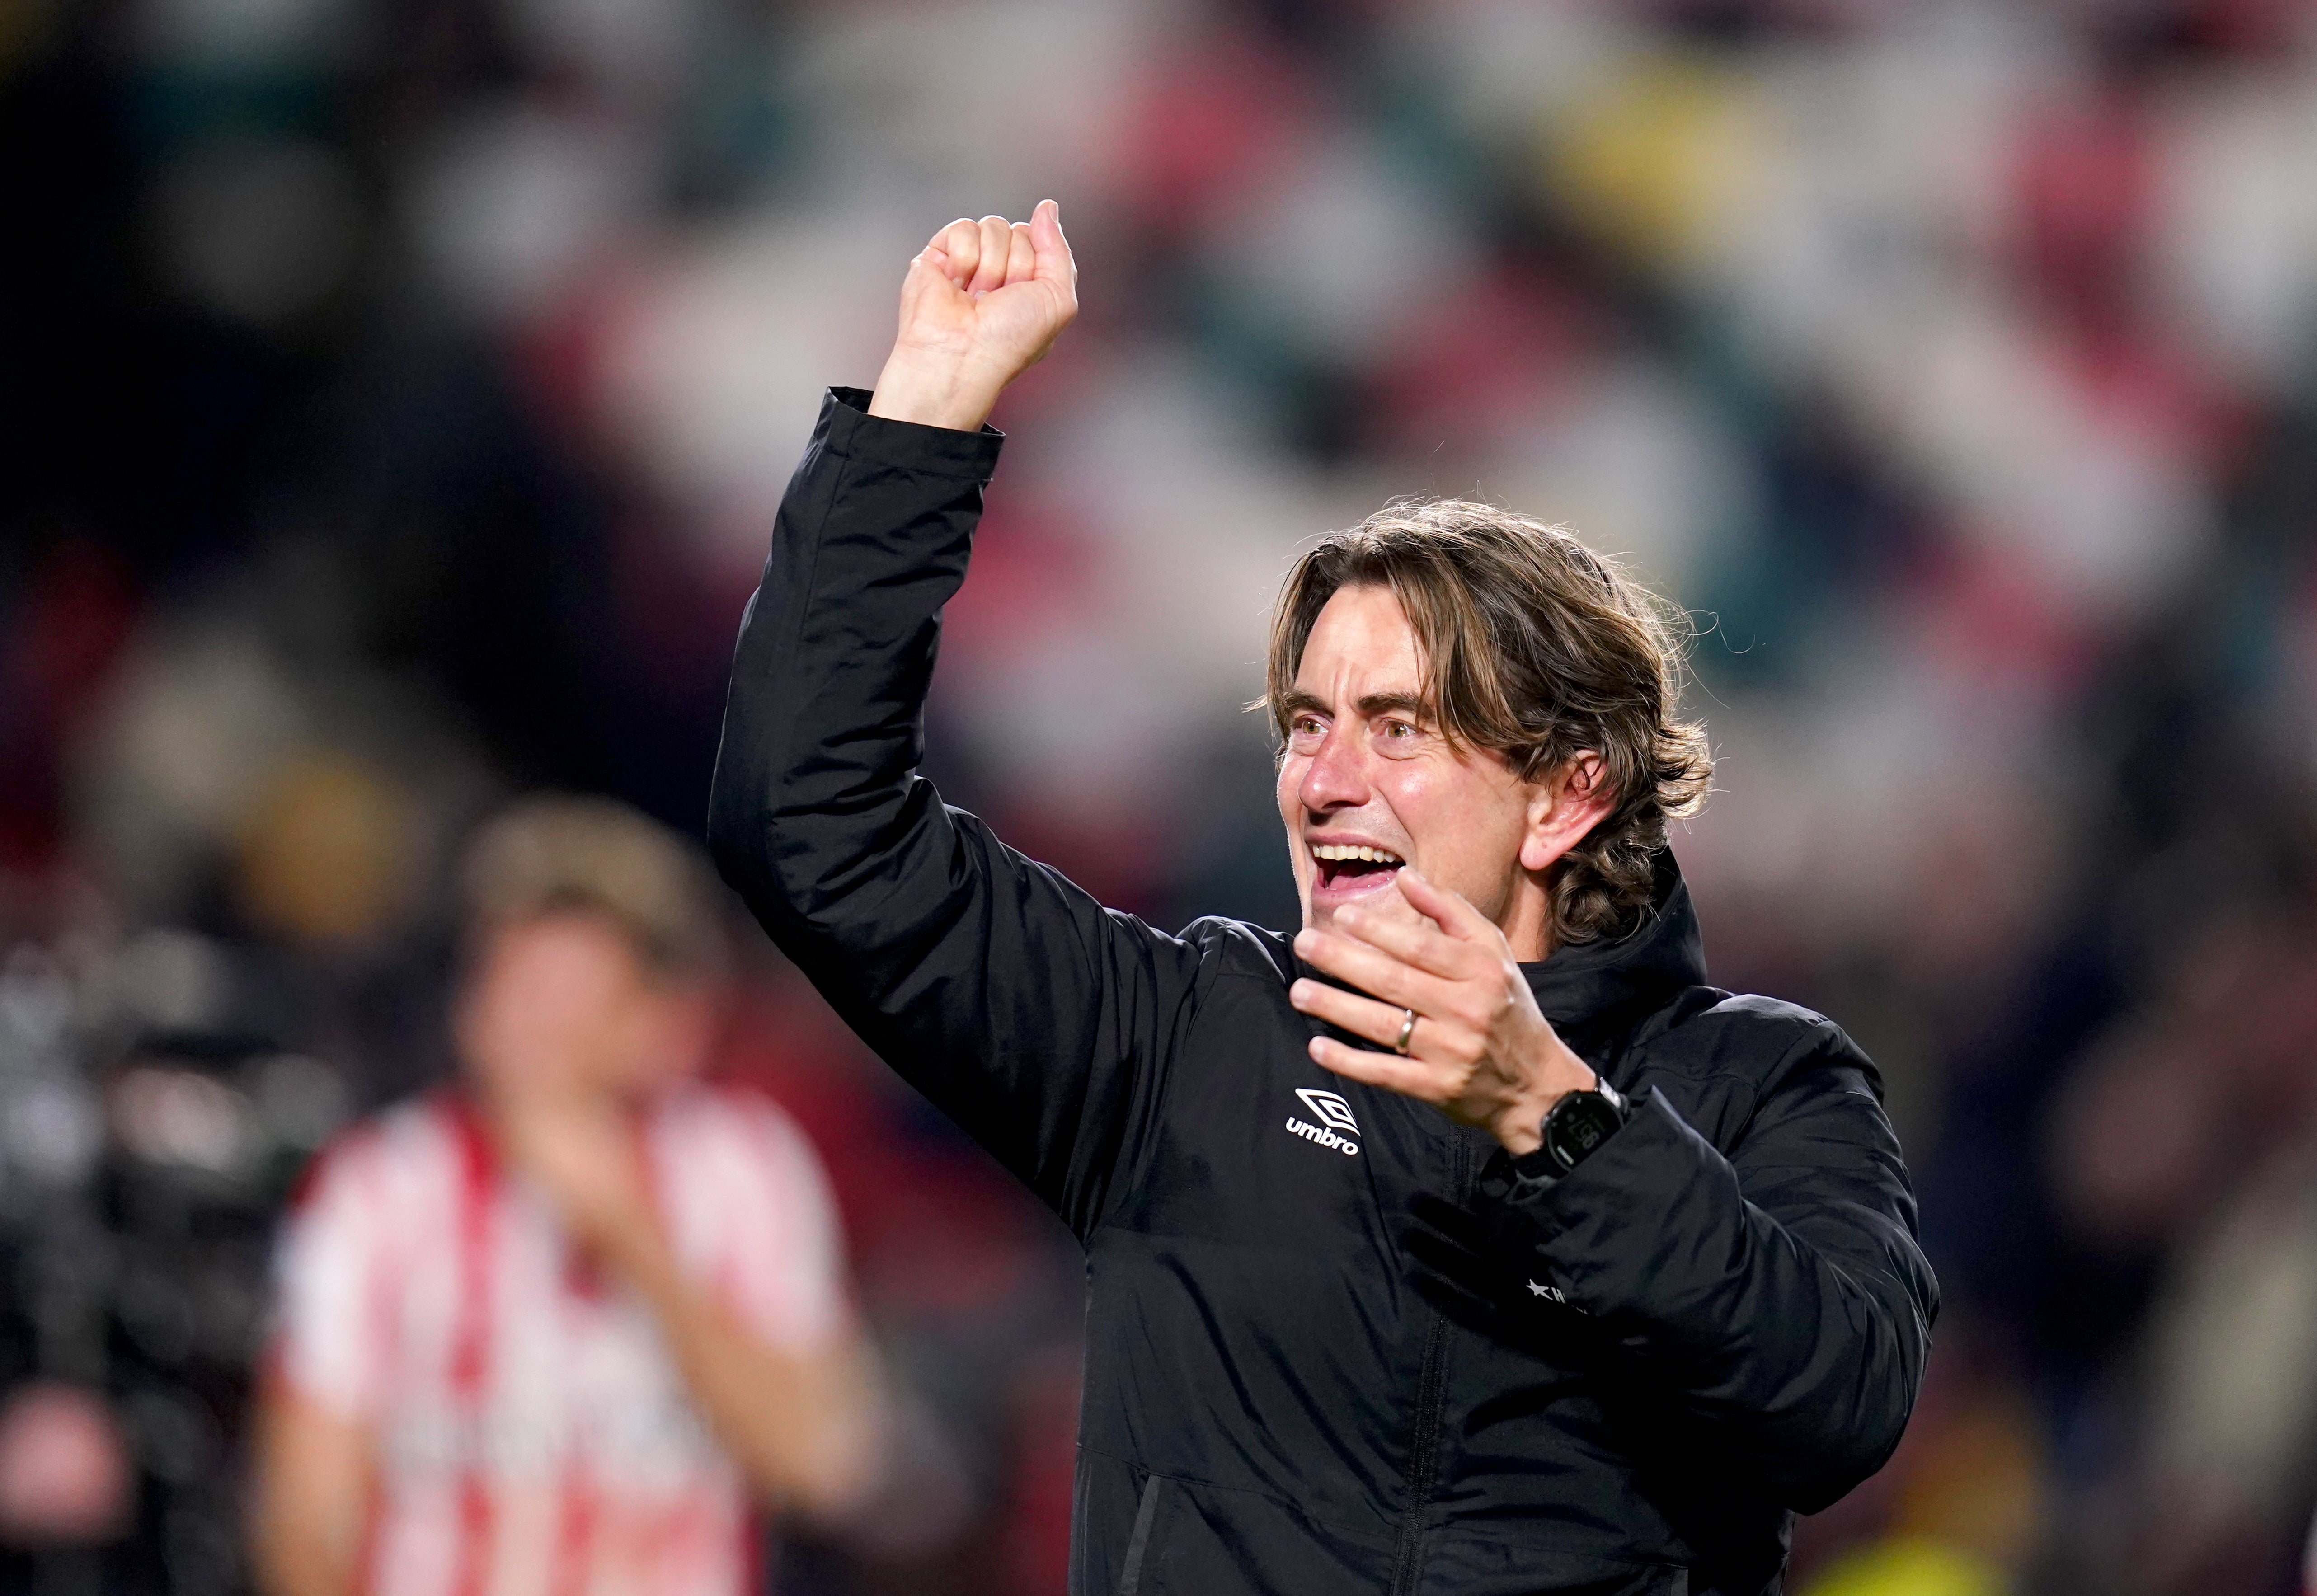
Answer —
1593 981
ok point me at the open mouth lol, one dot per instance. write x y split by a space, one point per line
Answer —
1354 865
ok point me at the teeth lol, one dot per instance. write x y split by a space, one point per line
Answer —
1342 852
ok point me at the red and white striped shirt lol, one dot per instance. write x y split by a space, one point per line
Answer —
533 1437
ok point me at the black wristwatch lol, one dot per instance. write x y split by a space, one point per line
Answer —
1572 1129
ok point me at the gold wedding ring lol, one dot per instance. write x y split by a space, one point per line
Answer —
1407 1030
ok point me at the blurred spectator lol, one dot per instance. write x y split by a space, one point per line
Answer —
555 1328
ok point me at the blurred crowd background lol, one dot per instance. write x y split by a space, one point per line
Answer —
394 397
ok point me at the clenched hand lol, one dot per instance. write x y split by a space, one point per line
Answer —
982 303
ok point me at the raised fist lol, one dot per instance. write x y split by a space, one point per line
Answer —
983 302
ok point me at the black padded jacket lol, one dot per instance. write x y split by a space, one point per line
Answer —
1719 1318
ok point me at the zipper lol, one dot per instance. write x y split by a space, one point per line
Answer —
1139 1543
1431 1397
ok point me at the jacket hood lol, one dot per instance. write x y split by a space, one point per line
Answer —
1582 985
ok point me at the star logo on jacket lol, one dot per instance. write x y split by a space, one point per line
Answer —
1334 1115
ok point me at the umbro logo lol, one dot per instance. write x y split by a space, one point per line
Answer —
1329 1109
1334 1115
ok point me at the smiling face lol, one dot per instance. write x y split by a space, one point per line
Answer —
1368 784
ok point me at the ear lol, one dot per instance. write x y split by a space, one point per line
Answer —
1564 807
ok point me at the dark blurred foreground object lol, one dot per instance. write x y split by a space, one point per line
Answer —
149 1140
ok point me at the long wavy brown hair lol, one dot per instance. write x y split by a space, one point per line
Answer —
1535 649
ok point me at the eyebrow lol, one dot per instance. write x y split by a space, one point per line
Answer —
1375 704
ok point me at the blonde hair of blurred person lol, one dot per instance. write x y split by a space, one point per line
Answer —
593 968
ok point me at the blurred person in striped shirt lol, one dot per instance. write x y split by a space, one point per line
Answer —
559 1328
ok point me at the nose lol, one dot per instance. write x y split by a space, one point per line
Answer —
1337 776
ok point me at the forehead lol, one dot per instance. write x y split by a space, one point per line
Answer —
574 939
1360 643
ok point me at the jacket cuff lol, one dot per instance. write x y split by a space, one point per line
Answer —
854 434
1610 1210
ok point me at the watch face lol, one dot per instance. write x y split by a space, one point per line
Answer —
1581 1122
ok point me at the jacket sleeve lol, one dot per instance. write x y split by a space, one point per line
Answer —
1775 1299
1036 1019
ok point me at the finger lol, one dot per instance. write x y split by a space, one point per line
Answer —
1410 1077
1447 909
1426 946
1377 973
996 244
1022 256
959 248
1349 1010
932 270
1055 263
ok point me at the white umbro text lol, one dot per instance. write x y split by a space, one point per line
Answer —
1326 1138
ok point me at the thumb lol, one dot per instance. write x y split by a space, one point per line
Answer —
1051 250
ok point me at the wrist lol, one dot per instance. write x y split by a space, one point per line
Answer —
1572 1130
1520 1128
932 389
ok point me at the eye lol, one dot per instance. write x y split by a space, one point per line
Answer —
1397 737
1304 731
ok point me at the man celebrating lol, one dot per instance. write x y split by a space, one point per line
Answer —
1663 1289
